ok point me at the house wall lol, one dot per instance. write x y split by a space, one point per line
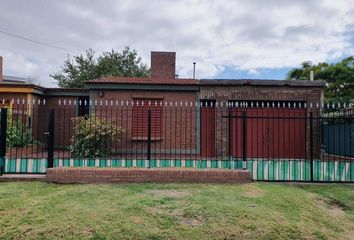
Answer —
181 125
63 119
179 134
312 95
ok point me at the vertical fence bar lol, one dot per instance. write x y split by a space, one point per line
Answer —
311 145
149 138
244 140
51 139
230 136
3 139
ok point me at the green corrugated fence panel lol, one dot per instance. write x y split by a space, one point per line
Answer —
91 162
2 163
55 162
153 163
260 169
317 169
128 163
66 162
102 163
238 164
116 163
214 163
10 165
140 163
271 170
201 164
165 163
189 163
178 163
226 164
23 165
35 165
285 173
306 168
78 163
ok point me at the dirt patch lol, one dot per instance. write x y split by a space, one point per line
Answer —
350 236
157 210
88 232
136 219
335 211
168 193
331 207
189 221
252 191
178 214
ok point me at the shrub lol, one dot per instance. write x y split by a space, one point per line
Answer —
93 137
17 134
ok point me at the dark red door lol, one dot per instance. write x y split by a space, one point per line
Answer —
207 130
271 132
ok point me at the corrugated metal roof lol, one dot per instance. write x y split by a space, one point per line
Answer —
14 79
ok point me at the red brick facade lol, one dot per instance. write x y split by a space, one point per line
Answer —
178 122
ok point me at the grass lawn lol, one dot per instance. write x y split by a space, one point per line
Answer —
176 211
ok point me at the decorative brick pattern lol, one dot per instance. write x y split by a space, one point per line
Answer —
142 175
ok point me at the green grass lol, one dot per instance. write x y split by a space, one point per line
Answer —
176 211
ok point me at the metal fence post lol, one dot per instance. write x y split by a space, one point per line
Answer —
229 116
149 139
244 141
311 145
51 139
3 129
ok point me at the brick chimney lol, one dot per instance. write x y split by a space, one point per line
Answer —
1 72
163 65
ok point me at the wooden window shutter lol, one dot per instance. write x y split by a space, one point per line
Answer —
140 119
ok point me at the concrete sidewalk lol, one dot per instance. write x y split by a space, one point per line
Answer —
22 177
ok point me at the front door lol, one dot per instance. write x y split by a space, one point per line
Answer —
207 128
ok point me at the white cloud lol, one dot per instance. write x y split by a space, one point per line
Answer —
245 35
253 72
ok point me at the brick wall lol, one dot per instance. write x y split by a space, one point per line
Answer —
179 123
63 115
140 175
277 93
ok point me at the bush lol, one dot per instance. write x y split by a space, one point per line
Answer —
17 134
93 137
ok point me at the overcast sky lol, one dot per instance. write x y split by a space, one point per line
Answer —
227 39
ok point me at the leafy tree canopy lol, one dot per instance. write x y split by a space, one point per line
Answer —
81 68
339 78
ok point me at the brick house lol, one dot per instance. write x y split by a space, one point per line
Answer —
193 128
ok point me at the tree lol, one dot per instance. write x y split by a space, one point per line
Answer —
78 70
339 78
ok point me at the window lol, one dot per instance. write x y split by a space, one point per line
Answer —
83 109
140 119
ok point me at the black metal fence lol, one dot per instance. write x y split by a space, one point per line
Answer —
274 140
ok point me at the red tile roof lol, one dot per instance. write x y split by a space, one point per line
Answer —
137 80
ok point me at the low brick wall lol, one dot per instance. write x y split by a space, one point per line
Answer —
140 175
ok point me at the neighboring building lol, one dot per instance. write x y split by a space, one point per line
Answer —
162 89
